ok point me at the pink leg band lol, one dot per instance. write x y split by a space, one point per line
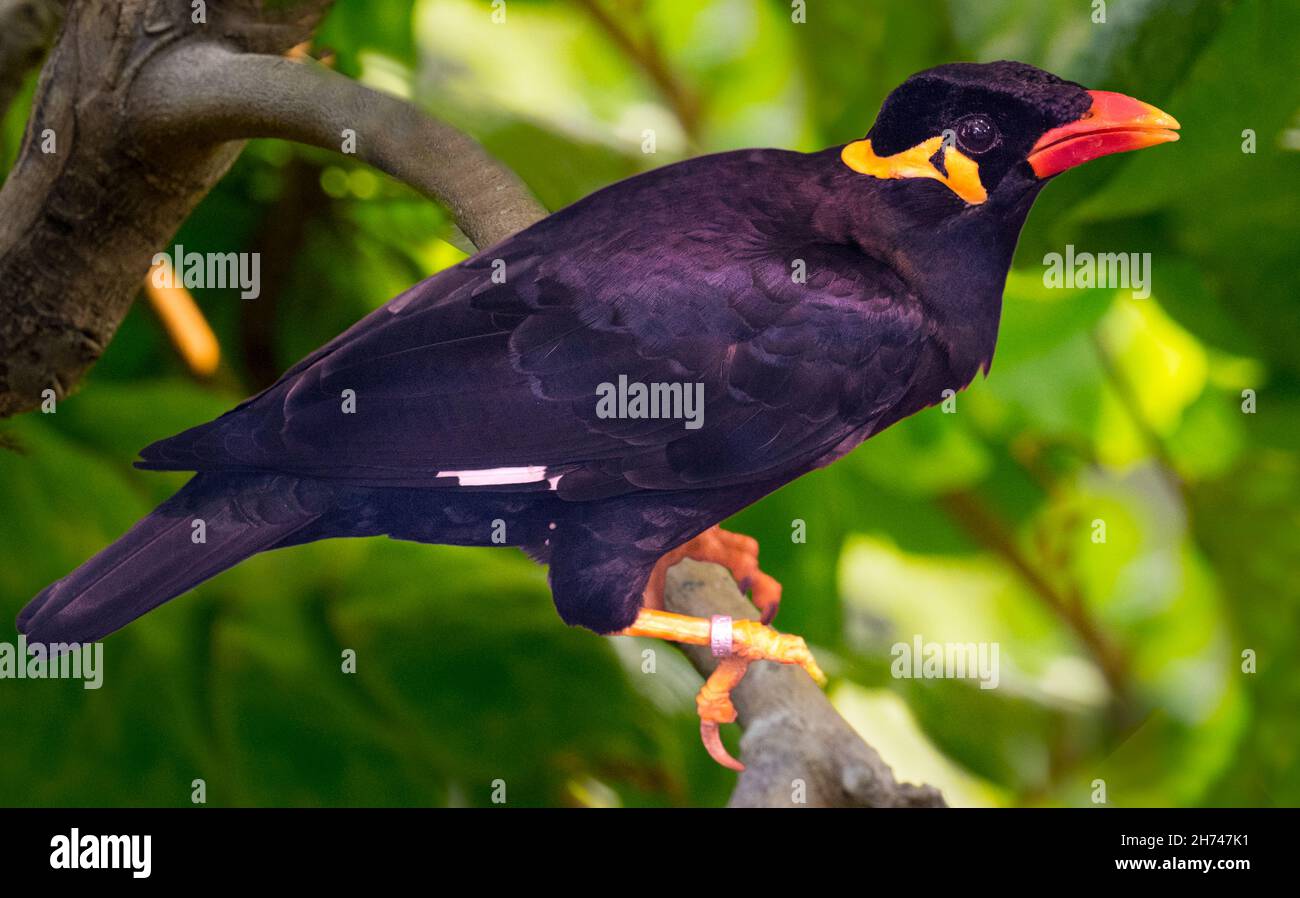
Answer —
720 635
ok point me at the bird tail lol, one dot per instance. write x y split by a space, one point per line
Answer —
214 522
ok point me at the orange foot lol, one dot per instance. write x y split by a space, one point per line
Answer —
734 551
736 644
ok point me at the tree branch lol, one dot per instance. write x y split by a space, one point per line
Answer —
649 58
984 526
138 113
792 732
206 93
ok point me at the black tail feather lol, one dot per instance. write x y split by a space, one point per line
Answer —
170 551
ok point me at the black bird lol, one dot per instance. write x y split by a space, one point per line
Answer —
602 389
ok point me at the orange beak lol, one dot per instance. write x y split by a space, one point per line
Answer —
1115 124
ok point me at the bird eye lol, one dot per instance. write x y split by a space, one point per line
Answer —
977 133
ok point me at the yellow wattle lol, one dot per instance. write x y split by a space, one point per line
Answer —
963 176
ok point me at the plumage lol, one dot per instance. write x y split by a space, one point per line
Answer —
475 390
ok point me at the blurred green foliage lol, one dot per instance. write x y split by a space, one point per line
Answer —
1121 661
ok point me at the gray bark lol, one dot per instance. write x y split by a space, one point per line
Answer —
139 112
795 742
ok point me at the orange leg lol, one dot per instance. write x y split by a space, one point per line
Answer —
737 644
734 551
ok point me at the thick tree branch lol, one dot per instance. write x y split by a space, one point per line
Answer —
138 113
792 732
205 93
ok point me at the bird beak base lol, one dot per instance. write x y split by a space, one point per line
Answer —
1115 123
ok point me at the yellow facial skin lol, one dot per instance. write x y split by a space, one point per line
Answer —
963 176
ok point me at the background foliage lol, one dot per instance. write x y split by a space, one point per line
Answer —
1120 661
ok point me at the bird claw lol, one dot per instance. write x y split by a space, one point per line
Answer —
712 740
749 641
755 641
713 703
736 644
736 552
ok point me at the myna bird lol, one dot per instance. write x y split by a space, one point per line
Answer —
602 389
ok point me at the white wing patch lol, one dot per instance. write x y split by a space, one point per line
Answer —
501 476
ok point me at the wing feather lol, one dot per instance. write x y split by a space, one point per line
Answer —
468 372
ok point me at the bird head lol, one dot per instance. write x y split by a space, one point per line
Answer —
998 130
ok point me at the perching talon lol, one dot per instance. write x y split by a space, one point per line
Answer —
737 644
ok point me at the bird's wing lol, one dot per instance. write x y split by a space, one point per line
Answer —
488 373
